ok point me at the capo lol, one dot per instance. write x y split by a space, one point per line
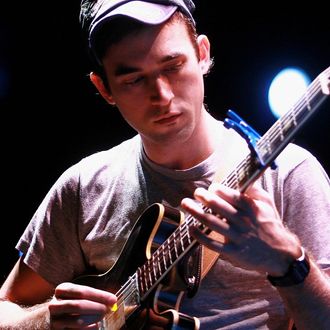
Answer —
252 137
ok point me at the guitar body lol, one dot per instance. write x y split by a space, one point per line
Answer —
158 310
147 286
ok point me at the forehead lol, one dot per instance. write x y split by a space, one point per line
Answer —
149 42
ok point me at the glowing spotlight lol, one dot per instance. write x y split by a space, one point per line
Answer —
285 90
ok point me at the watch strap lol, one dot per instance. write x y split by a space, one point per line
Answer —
297 272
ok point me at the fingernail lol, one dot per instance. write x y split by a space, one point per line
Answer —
114 307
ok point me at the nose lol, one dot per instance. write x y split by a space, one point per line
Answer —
160 90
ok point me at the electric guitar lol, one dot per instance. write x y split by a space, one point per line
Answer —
144 284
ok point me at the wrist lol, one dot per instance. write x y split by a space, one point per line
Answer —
13 316
297 272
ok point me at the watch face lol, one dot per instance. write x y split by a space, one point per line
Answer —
297 272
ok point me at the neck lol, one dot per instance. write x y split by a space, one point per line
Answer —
186 153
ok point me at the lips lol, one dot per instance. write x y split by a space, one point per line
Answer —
167 120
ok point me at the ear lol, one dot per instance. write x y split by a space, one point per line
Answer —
204 53
99 84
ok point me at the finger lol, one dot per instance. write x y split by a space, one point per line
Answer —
76 322
60 307
205 240
211 221
235 198
215 202
76 291
258 193
219 201
76 313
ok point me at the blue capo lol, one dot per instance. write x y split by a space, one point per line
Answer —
235 122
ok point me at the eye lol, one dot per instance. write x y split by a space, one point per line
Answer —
174 67
133 81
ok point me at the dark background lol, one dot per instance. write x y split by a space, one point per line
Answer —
52 117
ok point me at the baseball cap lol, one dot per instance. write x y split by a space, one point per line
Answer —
95 13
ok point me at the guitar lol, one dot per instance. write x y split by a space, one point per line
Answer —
147 296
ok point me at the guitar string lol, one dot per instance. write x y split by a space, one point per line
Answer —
170 244
230 181
273 132
287 118
122 296
312 90
300 107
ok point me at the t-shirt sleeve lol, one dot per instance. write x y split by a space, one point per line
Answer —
307 207
50 243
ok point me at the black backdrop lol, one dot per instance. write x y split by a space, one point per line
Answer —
52 117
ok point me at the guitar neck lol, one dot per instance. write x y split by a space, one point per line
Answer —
272 143
150 274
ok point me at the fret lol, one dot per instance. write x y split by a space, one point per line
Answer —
141 280
169 254
175 245
243 172
151 270
170 251
158 262
182 245
281 129
236 182
268 148
145 276
246 170
232 180
265 148
286 126
307 101
226 181
164 258
174 251
293 116
189 237
154 268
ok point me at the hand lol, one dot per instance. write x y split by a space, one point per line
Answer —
255 237
78 307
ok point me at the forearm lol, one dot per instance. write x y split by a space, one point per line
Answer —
15 317
309 302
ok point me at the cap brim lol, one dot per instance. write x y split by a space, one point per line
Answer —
145 12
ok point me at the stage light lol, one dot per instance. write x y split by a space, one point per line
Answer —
286 88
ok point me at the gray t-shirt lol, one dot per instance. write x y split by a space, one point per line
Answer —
88 214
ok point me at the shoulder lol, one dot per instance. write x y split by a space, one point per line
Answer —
95 165
297 169
116 155
296 159
293 155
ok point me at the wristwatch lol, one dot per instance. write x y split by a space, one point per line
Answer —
297 272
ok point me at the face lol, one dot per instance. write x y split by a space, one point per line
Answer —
156 81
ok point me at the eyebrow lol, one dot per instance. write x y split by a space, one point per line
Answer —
123 69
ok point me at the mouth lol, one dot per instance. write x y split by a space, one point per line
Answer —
167 120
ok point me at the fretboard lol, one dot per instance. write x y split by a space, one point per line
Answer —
249 169
272 143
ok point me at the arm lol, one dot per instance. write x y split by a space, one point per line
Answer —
24 287
256 238
27 301
309 302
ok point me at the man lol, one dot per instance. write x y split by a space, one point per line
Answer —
150 64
